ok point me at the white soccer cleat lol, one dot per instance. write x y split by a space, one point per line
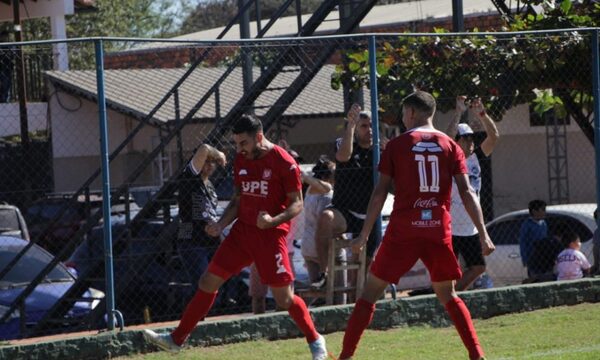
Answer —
318 349
163 341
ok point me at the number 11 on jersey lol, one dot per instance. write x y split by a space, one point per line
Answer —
435 173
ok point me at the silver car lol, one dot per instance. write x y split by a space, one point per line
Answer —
504 265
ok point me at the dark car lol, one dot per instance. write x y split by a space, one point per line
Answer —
41 213
44 296
156 281
12 222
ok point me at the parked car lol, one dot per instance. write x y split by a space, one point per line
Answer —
41 213
155 277
12 222
504 265
44 296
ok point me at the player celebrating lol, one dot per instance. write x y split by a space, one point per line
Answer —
267 196
420 164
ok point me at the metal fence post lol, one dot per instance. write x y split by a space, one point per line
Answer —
374 118
596 89
108 256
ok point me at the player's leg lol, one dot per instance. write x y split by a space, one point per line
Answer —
273 264
362 314
474 261
229 259
444 269
393 260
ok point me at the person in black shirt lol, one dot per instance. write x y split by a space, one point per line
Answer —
352 188
197 201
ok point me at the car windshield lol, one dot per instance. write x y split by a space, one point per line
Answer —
29 266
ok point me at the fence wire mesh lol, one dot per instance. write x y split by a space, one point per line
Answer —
165 100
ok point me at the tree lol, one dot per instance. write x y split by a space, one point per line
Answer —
552 71
112 18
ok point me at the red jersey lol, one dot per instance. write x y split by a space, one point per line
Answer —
264 184
422 163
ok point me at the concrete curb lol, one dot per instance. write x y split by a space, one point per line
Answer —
390 313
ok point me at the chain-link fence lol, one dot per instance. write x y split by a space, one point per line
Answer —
165 99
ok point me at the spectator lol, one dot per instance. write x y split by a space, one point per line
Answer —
353 184
7 55
418 164
318 196
465 240
533 229
543 255
571 263
596 246
267 196
198 201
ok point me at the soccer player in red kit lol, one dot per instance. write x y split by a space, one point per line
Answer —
420 165
267 196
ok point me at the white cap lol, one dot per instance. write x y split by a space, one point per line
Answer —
464 129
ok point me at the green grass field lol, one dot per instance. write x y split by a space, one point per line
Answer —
559 333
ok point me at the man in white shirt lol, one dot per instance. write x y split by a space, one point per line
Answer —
465 239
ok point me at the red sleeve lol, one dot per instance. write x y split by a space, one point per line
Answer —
459 163
386 165
291 177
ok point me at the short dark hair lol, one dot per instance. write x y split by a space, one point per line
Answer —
421 101
568 237
536 205
324 168
248 124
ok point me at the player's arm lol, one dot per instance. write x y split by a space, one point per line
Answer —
376 202
207 153
472 207
491 131
266 221
344 151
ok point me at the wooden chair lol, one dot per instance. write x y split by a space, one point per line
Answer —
346 266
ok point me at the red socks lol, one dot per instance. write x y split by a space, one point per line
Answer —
195 311
299 312
462 321
359 321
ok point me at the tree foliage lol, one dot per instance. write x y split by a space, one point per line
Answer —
550 70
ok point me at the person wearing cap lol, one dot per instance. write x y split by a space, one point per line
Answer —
352 189
465 239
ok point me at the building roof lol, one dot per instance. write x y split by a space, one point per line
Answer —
382 15
136 92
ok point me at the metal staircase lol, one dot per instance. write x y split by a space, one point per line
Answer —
305 71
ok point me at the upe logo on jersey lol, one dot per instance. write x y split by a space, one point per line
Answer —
267 174
425 203
256 187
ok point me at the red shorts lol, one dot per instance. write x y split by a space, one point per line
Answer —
396 257
247 244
